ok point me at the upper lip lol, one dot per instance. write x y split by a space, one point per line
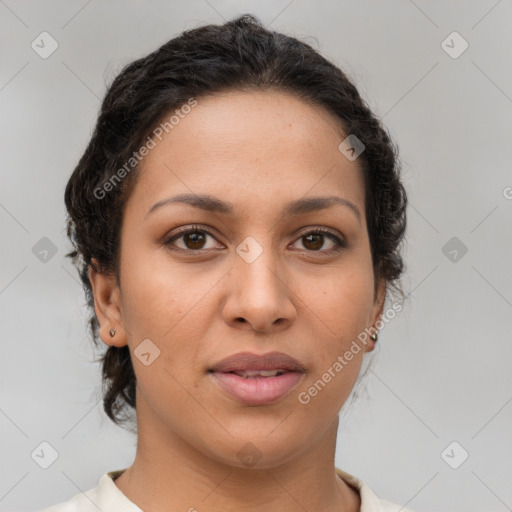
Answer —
254 362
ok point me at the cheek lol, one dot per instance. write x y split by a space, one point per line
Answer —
169 304
175 305
156 293
337 311
341 300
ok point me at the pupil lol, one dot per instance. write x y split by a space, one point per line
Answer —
195 238
318 245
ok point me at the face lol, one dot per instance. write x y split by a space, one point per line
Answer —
254 267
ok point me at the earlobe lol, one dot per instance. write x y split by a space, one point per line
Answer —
107 305
377 312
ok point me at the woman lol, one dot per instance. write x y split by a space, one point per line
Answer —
236 218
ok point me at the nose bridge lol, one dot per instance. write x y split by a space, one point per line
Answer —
258 293
256 264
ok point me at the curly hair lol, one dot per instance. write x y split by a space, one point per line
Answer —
238 55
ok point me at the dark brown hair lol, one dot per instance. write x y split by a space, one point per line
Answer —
239 54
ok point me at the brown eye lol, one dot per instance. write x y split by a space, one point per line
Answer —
194 240
315 241
191 239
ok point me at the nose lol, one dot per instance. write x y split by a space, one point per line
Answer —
259 295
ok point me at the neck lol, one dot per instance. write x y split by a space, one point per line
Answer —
169 474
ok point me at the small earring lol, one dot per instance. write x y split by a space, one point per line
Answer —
374 337
112 332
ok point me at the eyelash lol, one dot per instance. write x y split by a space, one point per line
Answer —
340 244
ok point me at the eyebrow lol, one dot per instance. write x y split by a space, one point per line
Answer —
298 207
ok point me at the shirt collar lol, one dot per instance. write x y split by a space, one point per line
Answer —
369 501
109 496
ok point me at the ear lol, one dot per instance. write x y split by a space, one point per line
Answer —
107 304
377 310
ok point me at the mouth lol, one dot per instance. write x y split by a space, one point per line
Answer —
257 379
250 374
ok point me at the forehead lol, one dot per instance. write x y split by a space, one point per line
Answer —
250 147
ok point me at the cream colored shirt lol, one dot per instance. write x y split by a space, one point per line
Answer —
107 497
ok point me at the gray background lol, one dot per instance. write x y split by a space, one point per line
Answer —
443 371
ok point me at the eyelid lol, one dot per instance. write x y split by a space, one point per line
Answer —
185 230
320 229
338 239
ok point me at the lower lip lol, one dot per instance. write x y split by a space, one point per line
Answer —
257 390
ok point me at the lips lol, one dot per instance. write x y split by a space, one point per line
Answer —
246 361
247 374
257 379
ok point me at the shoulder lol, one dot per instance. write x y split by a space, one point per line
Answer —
370 502
105 496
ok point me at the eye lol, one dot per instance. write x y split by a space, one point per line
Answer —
314 240
193 239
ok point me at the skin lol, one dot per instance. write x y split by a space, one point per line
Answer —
258 150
